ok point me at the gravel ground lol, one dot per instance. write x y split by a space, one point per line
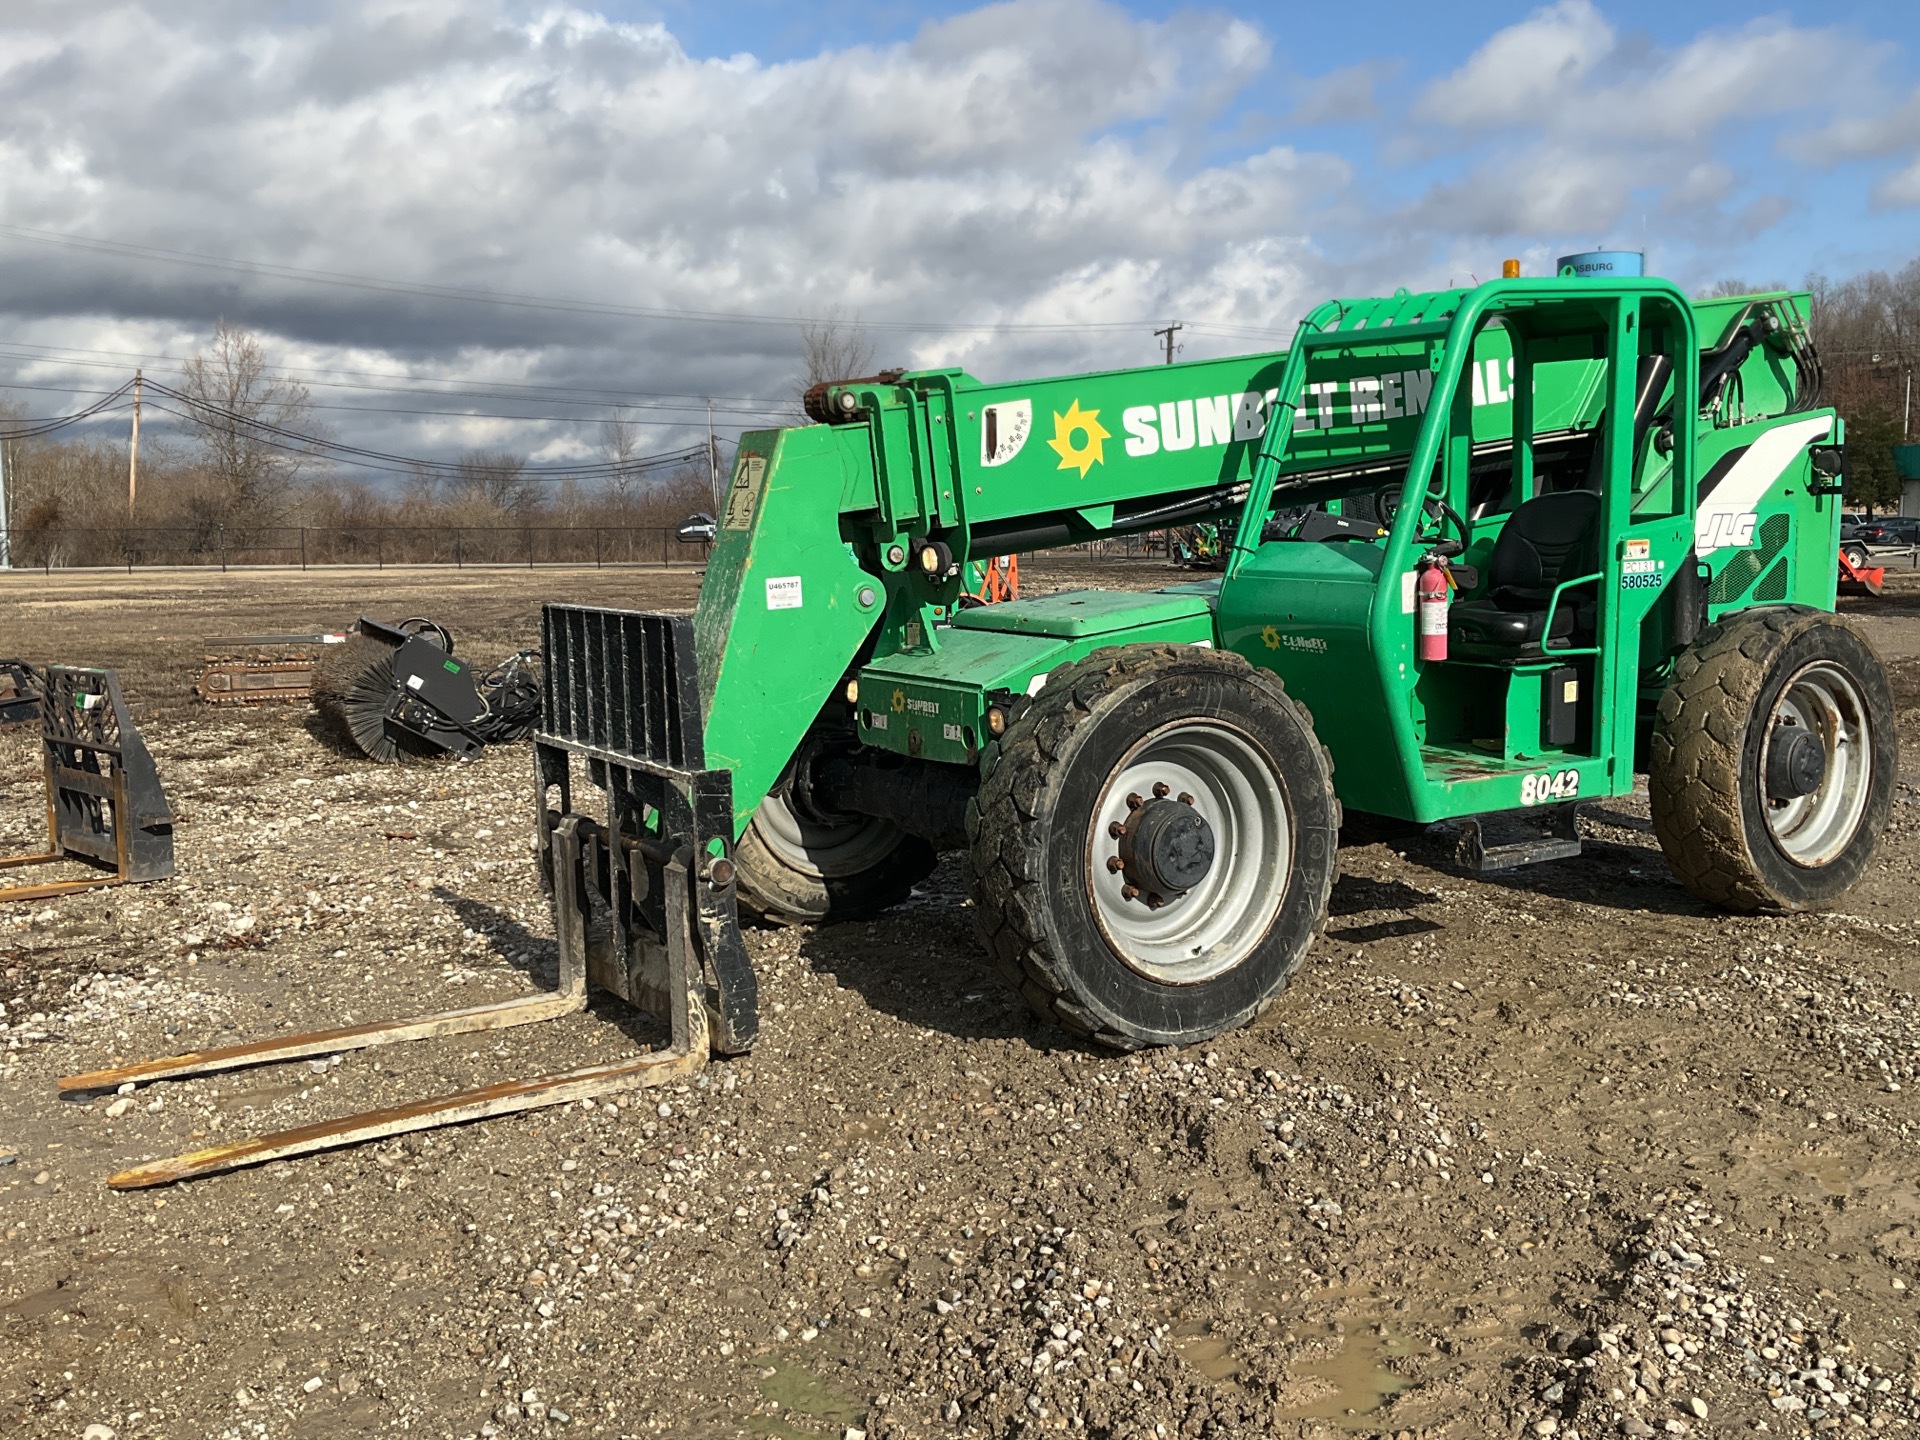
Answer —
1559 1152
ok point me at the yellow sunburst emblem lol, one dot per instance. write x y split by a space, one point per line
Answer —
1091 449
1270 637
899 702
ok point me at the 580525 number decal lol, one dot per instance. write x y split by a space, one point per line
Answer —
1545 789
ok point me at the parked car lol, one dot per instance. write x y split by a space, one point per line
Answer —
698 528
1893 532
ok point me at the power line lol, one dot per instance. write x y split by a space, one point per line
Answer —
32 429
339 279
201 413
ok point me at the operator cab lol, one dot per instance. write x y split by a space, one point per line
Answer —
1524 506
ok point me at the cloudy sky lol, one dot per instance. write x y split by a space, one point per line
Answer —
488 209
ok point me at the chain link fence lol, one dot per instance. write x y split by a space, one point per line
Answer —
305 546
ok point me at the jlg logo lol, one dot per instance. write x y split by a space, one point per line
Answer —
1718 528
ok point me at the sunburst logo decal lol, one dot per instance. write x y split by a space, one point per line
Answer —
1270 637
1079 439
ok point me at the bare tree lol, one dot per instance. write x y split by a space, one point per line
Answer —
620 448
420 490
833 349
1726 289
496 478
232 399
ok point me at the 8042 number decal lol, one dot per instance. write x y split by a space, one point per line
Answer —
1545 789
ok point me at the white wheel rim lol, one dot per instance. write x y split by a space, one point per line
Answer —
1814 829
827 850
1205 932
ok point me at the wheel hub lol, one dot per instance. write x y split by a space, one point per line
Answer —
1189 852
1796 762
1816 770
1166 848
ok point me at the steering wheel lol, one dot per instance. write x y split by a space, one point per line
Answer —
1386 504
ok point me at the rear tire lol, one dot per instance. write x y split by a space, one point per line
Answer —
1062 820
1724 803
807 873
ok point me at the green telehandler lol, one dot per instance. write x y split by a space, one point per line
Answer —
1489 553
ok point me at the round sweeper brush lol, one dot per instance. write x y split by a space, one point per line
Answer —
352 687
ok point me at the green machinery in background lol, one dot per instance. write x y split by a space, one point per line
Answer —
1487 554
1619 532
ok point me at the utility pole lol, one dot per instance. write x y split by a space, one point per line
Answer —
6 537
1167 335
713 459
133 450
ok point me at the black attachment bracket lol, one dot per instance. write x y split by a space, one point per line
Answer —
650 898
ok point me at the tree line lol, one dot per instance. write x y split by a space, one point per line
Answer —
1868 331
248 460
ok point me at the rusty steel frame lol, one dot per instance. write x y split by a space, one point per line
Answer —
254 682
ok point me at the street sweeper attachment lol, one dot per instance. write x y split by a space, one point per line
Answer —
395 692
642 906
105 806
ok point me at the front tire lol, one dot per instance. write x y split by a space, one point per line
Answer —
804 871
1773 760
1153 845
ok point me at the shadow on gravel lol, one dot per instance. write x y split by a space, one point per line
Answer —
945 984
1615 877
1360 895
1357 895
532 955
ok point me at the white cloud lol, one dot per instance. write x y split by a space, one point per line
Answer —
1900 189
1343 96
1038 161
1581 131
1891 129
1565 71
995 167
1520 75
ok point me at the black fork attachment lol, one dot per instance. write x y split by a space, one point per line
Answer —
105 804
643 901
654 883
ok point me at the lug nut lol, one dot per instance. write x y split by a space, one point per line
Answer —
1115 864
1161 789
1130 892
1134 802
1115 829
1185 798
1154 902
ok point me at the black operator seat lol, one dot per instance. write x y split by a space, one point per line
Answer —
1547 541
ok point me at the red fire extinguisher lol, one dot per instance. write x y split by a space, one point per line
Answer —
1430 607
